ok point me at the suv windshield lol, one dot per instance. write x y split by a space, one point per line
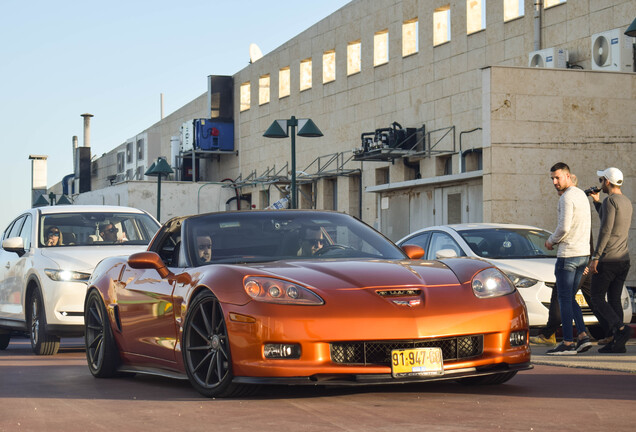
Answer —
508 243
95 229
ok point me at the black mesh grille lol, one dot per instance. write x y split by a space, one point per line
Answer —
379 353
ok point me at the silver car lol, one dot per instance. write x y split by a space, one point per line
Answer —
518 250
46 258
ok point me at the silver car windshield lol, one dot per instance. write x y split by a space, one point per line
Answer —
95 229
507 243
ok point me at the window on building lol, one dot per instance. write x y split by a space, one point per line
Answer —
263 89
441 25
129 152
246 96
329 66
381 48
121 160
283 82
513 9
409 37
305 74
550 3
354 57
140 149
475 15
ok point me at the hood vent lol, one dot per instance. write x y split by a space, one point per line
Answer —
399 292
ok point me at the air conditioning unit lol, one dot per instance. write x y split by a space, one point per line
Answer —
612 51
549 58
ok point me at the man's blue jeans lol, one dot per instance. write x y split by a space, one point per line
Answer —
568 272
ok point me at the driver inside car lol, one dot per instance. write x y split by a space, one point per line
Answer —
313 240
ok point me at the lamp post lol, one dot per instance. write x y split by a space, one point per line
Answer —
279 129
157 169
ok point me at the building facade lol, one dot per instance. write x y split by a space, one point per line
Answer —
431 112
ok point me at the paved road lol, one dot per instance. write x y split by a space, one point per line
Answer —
59 394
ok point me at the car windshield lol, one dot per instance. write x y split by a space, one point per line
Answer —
508 243
260 236
96 229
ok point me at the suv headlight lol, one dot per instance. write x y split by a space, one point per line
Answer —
491 282
521 281
66 275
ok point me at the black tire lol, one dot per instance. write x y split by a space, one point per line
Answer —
494 379
206 349
4 341
102 353
41 342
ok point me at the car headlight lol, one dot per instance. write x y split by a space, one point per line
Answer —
521 281
491 282
273 290
66 275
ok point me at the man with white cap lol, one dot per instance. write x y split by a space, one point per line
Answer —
610 262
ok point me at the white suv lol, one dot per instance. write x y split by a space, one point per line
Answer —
48 254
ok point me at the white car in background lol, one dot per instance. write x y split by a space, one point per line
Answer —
42 287
518 250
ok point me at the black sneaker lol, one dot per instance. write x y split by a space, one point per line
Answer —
583 345
563 349
610 348
622 336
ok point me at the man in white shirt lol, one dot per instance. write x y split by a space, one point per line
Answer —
572 238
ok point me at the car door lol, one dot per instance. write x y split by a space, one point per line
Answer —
146 312
11 286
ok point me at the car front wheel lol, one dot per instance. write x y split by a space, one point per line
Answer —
206 349
102 354
41 342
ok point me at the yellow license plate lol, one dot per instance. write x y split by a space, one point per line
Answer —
416 361
580 299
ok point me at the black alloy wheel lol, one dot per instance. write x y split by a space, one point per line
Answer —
102 354
206 349
41 342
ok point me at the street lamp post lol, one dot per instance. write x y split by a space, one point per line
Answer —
157 169
279 129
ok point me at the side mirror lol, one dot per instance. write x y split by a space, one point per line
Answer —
445 253
413 251
148 260
14 244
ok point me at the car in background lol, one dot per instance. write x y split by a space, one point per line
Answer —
299 297
519 251
47 256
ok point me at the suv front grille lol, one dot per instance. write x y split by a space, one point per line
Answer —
379 353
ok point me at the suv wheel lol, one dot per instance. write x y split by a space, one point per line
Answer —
41 343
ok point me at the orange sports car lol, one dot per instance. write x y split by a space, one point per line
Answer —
235 299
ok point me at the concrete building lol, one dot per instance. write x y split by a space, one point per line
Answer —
430 111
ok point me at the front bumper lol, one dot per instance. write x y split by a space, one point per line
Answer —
368 379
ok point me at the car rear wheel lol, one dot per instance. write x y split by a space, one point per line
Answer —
4 341
206 349
102 354
41 342
489 379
